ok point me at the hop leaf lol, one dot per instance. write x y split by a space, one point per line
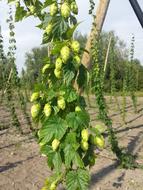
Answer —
53 127
78 179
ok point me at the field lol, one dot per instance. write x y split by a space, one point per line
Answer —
23 168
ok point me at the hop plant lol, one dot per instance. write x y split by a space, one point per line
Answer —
35 96
65 10
74 7
65 54
77 109
55 144
99 141
58 63
84 135
62 137
49 28
58 73
84 145
53 186
32 9
47 66
53 9
47 110
35 110
61 103
75 46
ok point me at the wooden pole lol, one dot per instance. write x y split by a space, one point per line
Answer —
96 29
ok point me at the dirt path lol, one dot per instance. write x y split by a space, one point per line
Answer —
22 167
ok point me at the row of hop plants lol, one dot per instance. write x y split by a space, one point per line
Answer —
65 135
11 84
129 84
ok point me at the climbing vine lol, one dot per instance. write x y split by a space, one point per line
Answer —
132 76
126 160
65 135
2 66
11 72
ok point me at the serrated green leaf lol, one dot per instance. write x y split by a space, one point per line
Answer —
48 151
54 127
78 179
71 156
47 3
82 77
77 119
70 95
78 161
68 77
50 94
20 14
70 31
57 162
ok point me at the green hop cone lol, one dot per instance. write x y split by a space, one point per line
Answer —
44 188
32 9
77 109
17 4
53 186
65 53
55 144
99 141
75 46
49 28
35 110
84 145
85 135
50 83
47 110
53 9
61 103
74 8
34 96
58 73
65 10
58 63
77 59
47 66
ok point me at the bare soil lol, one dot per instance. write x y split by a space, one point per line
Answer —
23 168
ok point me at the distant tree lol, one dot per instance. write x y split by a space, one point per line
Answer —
81 38
34 62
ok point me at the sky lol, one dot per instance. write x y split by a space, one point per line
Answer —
120 18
